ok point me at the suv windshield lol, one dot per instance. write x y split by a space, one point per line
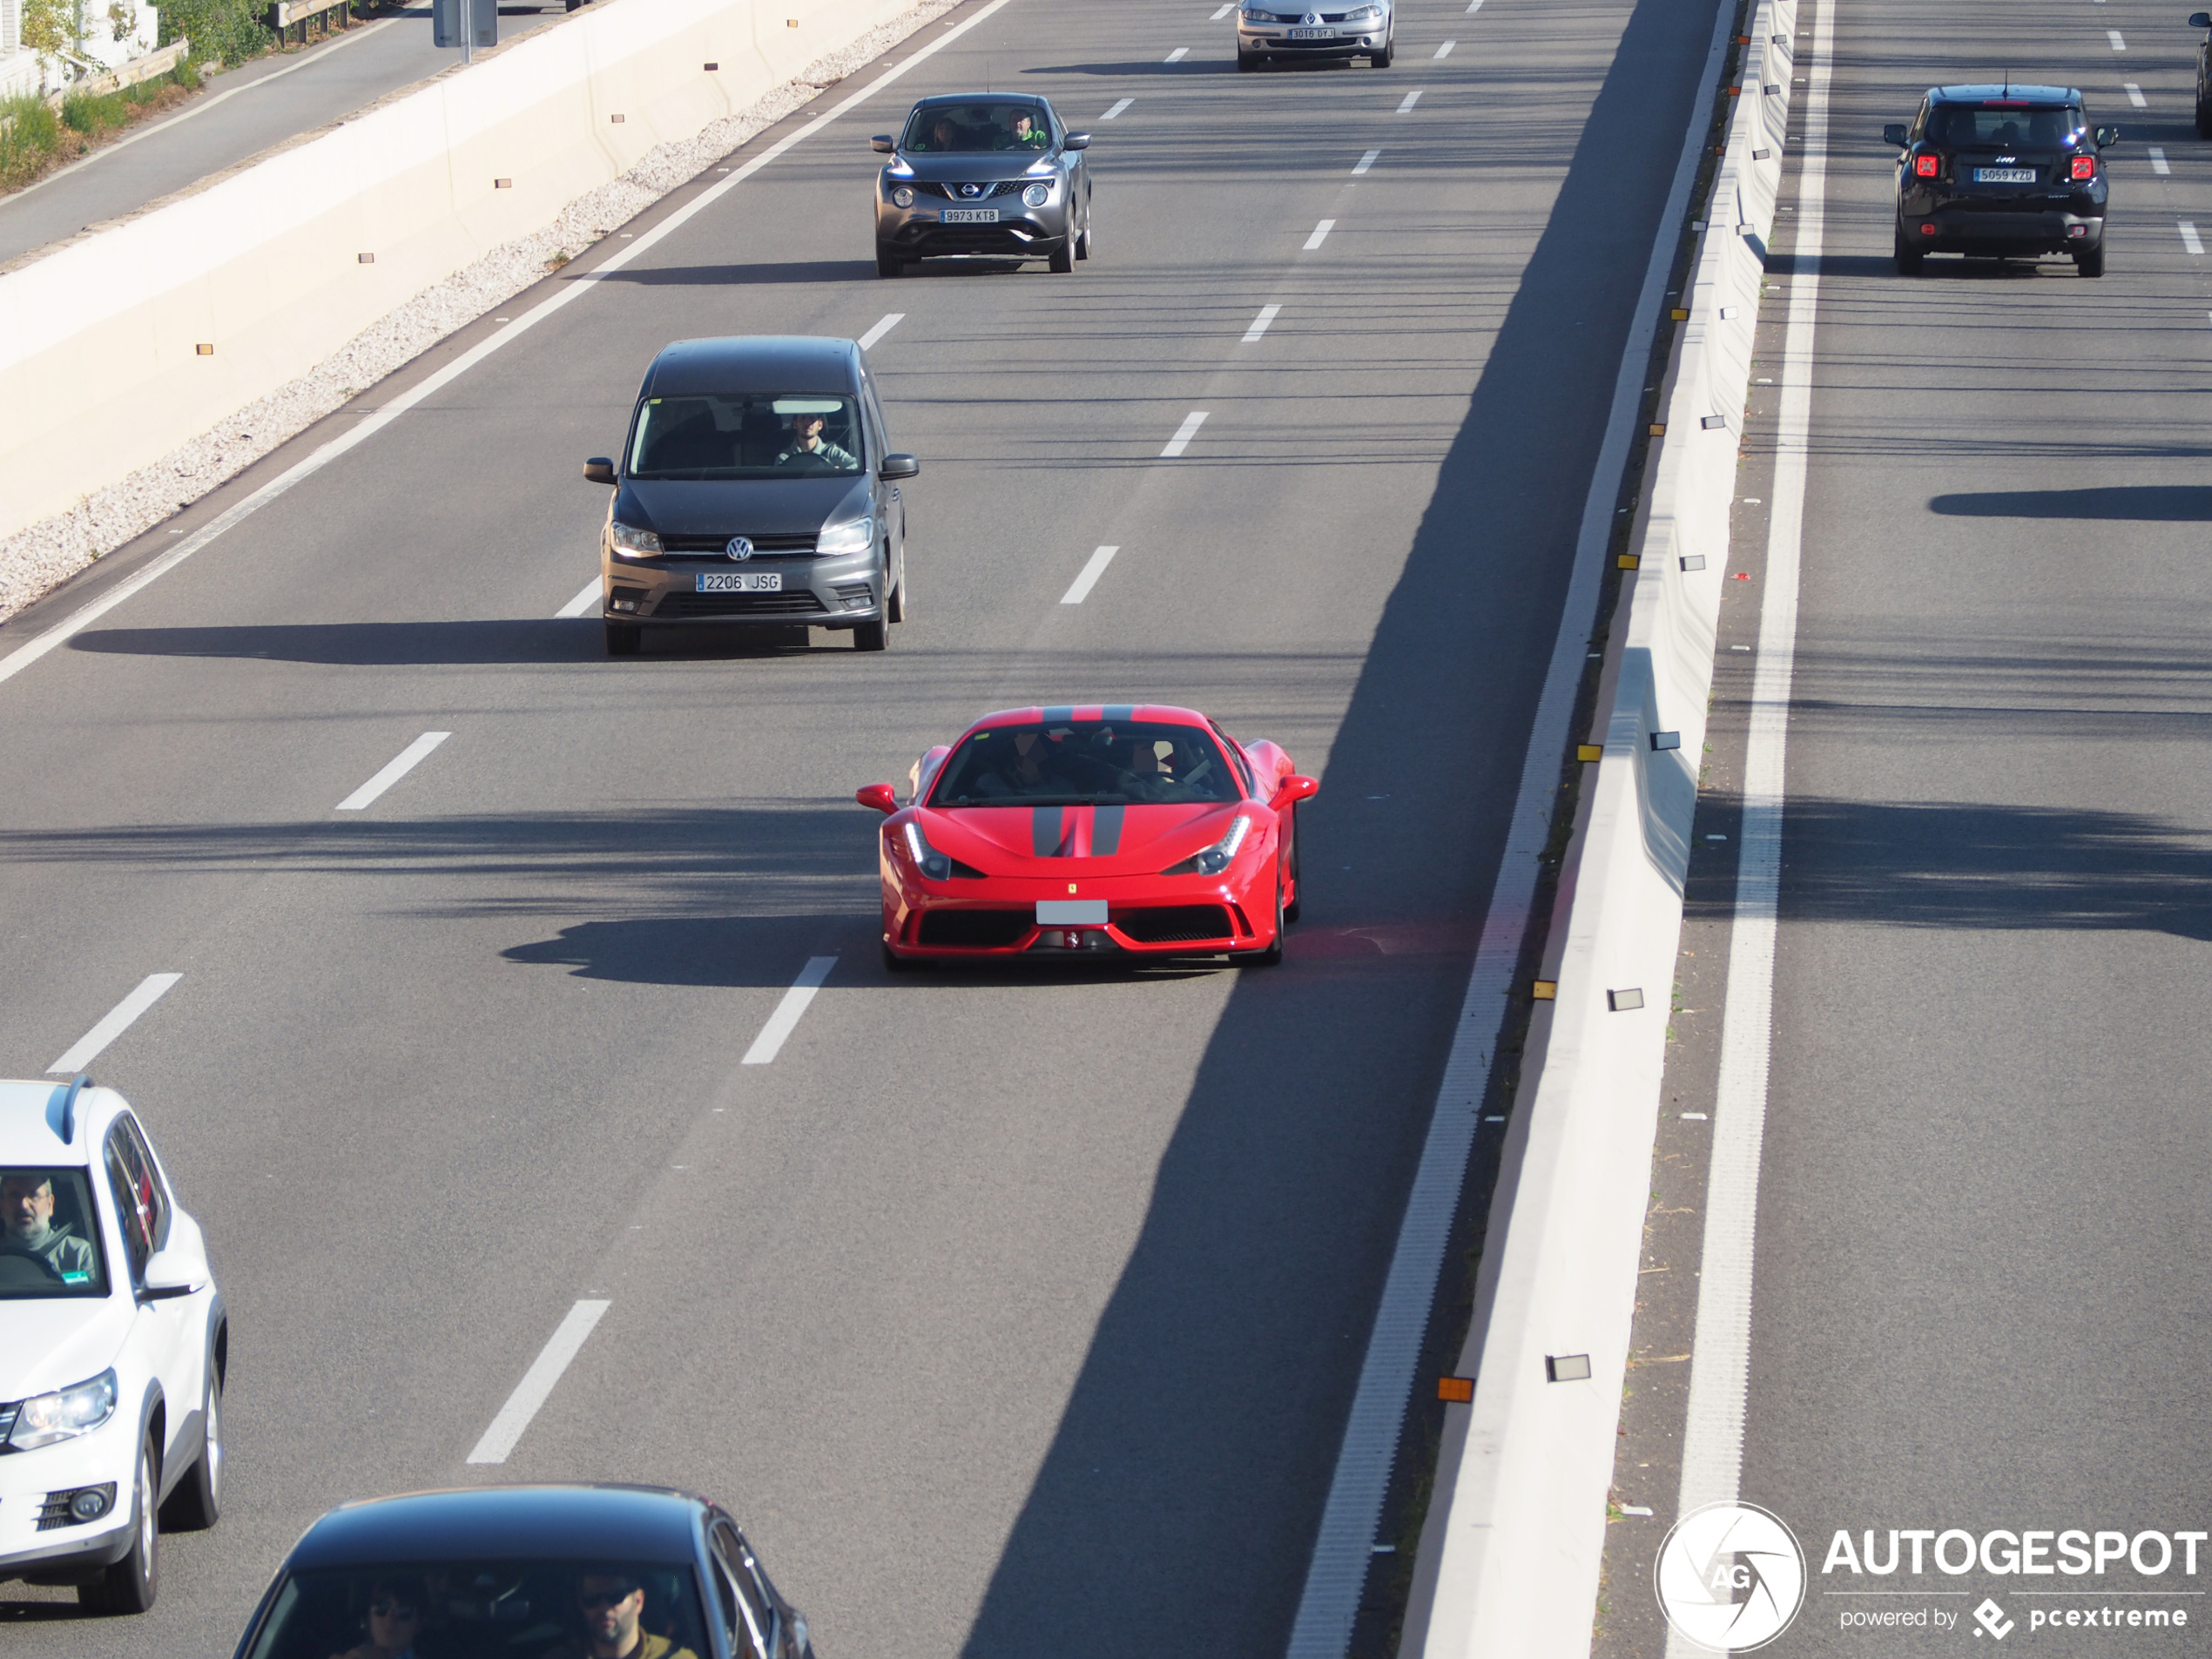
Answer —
968 129
486 1609
1084 763
744 434
2050 127
50 1235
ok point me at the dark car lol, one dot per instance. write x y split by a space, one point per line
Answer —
527 1571
757 486
2203 20
993 174
2002 172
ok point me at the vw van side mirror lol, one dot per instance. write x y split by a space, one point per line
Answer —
2107 135
599 471
899 467
1894 133
881 144
1294 789
882 796
1076 141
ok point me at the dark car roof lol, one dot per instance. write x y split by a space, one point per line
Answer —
1998 92
753 363
619 1523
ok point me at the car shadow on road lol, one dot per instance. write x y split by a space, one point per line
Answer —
727 276
2138 503
434 645
1150 66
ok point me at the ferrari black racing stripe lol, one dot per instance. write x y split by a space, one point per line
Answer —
1105 829
1118 713
1066 712
1044 832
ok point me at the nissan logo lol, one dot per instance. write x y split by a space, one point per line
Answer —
739 547
971 190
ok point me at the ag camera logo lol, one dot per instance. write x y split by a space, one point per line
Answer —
1730 1577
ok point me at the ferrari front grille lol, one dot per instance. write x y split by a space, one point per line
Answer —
975 929
1182 924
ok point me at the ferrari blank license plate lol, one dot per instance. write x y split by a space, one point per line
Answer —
740 582
1071 913
971 216
1313 34
2004 175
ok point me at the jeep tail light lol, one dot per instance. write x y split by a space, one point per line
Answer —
1925 165
2085 167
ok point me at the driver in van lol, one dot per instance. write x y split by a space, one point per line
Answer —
27 1217
808 444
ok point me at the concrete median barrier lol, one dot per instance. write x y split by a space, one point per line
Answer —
126 344
1513 1540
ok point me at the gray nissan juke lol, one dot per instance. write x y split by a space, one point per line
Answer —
989 174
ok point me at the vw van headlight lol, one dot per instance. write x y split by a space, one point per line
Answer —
854 536
633 543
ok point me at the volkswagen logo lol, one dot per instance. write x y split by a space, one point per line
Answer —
739 547
971 191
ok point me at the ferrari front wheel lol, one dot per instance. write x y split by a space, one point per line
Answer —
894 963
1272 955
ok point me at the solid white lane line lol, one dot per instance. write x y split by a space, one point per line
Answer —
1267 314
25 655
1445 50
408 760
2118 45
81 1053
1320 234
785 1020
2135 95
1412 98
1119 106
584 602
1185 432
536 1386
1337 1572
1178 55
2191 240
1712 1446
2158 163
1079 589
1365 162
881 329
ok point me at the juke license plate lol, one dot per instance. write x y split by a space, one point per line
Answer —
971 216
1313 34
740 582
2004 175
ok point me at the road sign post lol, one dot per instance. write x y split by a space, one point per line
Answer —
446 28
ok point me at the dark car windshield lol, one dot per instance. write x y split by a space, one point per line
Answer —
971 128
50 1235
1077 763
744 434
2048 127
484 1609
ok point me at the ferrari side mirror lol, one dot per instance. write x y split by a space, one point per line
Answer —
882 796
1293 789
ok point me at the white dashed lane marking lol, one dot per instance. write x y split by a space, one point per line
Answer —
1320 234
408 760
2158 163
881 329
581 603
1178 55
1120 104
1365 162
1412 98
1185 432
2189 238
2135 95
119 1020
785 1020
537 1383
1445 50
1079 589
2118 45
1267 314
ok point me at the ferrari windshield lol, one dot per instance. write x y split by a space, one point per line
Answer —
744 434
486 1609
1084 763
49 1238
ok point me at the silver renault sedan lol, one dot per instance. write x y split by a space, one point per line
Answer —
988 174
1269 33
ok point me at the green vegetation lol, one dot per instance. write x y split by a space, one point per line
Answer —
231 30
35 139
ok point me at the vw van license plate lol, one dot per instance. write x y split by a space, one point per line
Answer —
740 582
971 216
2004 175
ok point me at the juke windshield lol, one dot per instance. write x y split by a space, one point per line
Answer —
1084 763
971 129
50 1235
745 434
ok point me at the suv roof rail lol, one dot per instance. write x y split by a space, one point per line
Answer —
67 1128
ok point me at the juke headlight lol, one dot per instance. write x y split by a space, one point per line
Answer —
632 543
854 536
1037 195
1217 858
903 197
66 1413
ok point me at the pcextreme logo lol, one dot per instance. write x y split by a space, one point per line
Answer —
1729 1577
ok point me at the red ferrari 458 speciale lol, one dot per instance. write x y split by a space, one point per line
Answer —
1122 830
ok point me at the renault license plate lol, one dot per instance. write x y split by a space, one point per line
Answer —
971 216
1313 34
2004 175
740 582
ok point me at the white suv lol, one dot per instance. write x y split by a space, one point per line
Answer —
112 1345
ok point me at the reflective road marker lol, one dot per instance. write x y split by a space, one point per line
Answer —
408 761
1079 589
537 1383
785 1020
82 1053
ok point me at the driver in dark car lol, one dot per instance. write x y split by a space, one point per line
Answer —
809 448
610 1606
27 1216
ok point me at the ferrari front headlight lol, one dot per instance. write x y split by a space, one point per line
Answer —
1219 856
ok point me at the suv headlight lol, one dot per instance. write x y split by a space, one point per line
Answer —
854 536
1217 858
938 867
66 1413
1037 195
633 543
903 197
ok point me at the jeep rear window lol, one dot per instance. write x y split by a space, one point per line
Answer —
2045 127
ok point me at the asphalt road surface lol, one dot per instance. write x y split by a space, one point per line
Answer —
1979 1299
242 113
1017 1313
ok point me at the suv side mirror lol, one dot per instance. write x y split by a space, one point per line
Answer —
882 796
2201 20
881 144
1894 133
1076 141
2107 135
177 1271
599 471
899 467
